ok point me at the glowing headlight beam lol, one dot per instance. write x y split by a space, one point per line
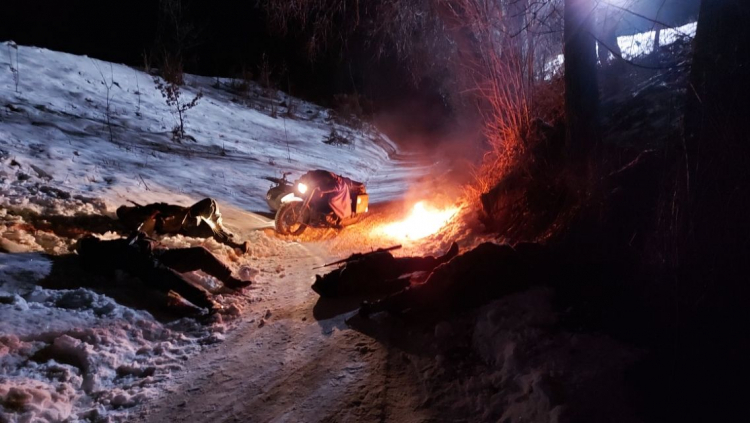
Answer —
302 188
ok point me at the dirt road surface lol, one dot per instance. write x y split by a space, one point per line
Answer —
300 362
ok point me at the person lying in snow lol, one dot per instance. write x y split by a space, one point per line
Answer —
157 266
376 273
471 279
200 220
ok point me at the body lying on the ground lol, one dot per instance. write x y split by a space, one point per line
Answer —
375 273
486 272
157 266
201 220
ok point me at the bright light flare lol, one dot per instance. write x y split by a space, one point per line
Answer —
422 222
302 188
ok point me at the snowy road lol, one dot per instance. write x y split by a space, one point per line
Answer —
299 363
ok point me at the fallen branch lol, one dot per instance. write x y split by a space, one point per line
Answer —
144 182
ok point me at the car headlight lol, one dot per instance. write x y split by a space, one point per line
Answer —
302 188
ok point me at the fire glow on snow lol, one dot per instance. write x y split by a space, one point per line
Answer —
422 222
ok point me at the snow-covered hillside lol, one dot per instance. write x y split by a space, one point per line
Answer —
56 121
72 353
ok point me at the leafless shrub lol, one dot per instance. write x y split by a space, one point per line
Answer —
14 69
265 71
291 107
176 35
352 109
242 82
147 62
138 95
108 98
338 140
170 87
501 72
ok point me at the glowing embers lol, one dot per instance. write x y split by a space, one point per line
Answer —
422 222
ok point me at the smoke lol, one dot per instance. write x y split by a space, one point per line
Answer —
451 144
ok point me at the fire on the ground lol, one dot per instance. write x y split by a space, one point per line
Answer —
423 221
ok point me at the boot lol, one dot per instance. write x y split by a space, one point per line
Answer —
452 252
236 284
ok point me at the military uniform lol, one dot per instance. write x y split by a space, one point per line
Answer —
375 273
200 220
158 267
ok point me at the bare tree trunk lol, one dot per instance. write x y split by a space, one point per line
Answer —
715 260
581 90
716 132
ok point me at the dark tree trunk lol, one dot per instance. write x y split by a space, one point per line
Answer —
581 90
714 290
717 132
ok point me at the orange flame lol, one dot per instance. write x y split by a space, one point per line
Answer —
422 222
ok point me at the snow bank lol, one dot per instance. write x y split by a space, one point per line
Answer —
34 400
73 353
538 372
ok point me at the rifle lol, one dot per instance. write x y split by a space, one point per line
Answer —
358 256
135 235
